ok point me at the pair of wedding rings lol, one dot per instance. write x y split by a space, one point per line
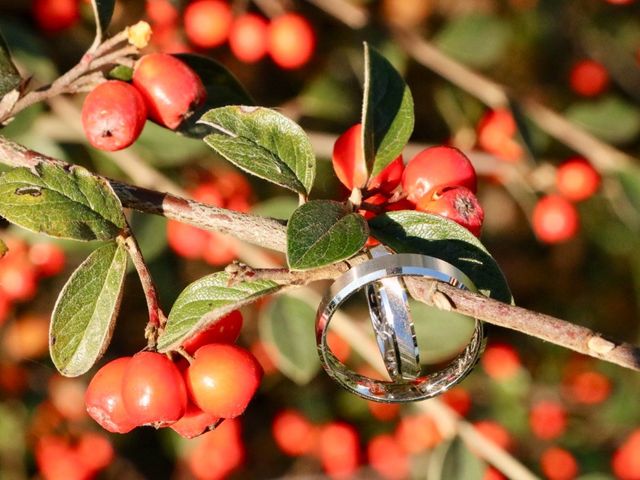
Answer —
381 279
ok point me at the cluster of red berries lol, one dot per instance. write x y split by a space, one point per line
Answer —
218 453
439 180
227 189
21 269
150 389
59 458
163 88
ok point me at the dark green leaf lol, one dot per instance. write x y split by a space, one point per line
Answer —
453 460
206 300
86 310
121 72
287 324
416 232
478 40
321 232
611 118
222 88
9 76
102 11
265 143
387 112
67 202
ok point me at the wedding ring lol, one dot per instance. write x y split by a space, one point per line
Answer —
374 270
392 324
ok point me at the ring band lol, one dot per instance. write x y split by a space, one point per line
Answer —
392 324
396 265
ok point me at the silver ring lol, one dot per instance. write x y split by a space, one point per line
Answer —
396 265
392 324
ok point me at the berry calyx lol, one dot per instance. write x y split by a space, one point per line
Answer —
290 40
435 168
455 203
224 330
113 115
577 180
170 88
588 78
248 38
222 379
103 398
207 22
555 219
153 390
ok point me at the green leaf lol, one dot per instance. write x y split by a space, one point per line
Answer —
611 118
387 112
453 460
85 313
222 88
476 39
9 77
102 11
287 324
121 72
416 232
264 143
66 202
277 207
206 300
321 232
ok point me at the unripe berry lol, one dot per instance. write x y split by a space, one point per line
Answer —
455 203
207 22
153 390
588 78
113 115
435 168
104 397
224 330
577 180
222 379
555 219
55 15
248 38
291 40
170 88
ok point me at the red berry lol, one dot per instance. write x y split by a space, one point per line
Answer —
384 412
207 22
293 433
162 13
577 180
290 40
104 398
458 399
389 178
248 38
558 464
222 379
95 451
153 390
388 458
455 203
18 279
626 459
208 193
48 258
496 131
417 433
186 240
492 474
57 460
501 361
555 219
218 453
435 168
348 158
5 306
55 15
170 88
588 78
113 115
548 420
339 449
194 422
224 330
220 249
588 387
495 433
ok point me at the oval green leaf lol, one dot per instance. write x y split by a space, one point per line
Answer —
287 325
322 232
206 300
66 202
612 118
387 112
9 76
264 143
85 313
409 231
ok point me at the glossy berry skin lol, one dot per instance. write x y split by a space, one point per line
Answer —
222 379
455 203
435 168
56 15
588 78
290 40
194 422
224 330
248 38
555 219
113 115
153 390
207 22
577 180
103 398
170 88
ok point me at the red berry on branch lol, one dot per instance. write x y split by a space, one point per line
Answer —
207 22
435 168
222 379
555 219
294 434
48 258
588 78
248 38
153 390
455 203
224 330
339 449
194 422
558 464
577 180
56 15
548 419
496 132
103 398
348 158
113 115
170 88
290 40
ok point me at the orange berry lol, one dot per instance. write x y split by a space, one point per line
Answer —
26 338
501 361
558 464
207 22
388 458
248 37
218 453
548 420
338 346
384 412
416 433
555 219
496 132
48 258
459 399
290 40
161 12
293 433
589 387
95 451
577 180
494 432
339 449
